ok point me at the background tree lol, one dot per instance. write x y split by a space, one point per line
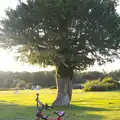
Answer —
21 84
70 35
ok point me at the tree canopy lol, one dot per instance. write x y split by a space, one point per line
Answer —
78 32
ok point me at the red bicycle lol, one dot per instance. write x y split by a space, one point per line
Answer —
39 114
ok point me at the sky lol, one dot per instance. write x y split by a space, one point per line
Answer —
8 63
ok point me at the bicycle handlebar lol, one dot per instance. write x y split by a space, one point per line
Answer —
46 107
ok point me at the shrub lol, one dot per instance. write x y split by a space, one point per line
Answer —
115 83
28 85
109 80
21 84
106 84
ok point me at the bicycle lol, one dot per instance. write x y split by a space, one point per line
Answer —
40 115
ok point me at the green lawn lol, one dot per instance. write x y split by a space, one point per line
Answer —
85 106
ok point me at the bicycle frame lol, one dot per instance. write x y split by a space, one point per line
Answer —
46 118
39 113
53 119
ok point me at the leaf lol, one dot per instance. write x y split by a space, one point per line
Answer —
54 31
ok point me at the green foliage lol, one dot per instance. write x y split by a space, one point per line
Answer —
115 75
46 79
92 75
109 80
63 31
21 84
28 85
107 84
43 78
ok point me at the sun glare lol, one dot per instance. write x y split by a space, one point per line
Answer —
8 63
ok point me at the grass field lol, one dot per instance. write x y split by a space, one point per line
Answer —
85 106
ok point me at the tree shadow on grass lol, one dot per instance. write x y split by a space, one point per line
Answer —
19 112
86 108
83 108
75 112
9 111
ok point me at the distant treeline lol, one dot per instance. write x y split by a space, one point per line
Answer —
10 79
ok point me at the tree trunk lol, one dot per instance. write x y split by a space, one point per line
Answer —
64 86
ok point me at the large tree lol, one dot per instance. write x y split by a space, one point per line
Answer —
70 34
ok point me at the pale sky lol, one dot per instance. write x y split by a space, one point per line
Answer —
8 63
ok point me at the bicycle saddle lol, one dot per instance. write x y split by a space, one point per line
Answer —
60 113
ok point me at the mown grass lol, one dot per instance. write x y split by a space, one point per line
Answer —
84 105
